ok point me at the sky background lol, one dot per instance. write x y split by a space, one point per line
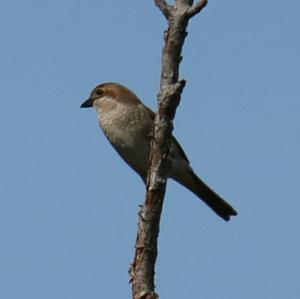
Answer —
68 204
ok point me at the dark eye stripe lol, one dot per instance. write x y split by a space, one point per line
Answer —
99 91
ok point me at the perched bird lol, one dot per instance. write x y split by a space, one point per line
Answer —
127 123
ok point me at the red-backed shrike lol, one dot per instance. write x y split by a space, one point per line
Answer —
127 123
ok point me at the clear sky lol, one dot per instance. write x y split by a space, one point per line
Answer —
68 204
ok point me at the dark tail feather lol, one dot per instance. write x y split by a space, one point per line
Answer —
212 199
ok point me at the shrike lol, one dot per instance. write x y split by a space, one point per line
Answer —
127 123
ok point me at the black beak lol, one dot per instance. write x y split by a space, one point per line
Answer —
87 104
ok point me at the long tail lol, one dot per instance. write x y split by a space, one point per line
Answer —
205 193
212 199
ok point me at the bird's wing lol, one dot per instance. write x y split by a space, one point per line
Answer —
177 145
180 150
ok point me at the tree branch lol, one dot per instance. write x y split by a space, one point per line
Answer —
164 7
195 9
142 269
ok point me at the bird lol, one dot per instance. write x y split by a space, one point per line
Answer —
127 124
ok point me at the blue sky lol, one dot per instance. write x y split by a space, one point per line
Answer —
68 204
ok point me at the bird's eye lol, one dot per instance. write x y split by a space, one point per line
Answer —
99 91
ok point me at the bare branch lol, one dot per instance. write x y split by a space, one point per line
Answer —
164 7
142 269
185 2
195 9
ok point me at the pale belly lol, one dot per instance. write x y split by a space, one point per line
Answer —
133 147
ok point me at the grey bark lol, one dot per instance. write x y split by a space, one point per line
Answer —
142 270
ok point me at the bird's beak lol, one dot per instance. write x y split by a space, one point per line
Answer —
87 104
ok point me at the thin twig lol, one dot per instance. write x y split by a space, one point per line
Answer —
195 9
164 7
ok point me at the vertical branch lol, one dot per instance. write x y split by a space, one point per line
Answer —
143 268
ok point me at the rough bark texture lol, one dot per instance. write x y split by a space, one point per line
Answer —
143 268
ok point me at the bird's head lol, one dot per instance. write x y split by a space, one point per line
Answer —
107 96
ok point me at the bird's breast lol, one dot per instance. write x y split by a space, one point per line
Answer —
124 127
129 134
